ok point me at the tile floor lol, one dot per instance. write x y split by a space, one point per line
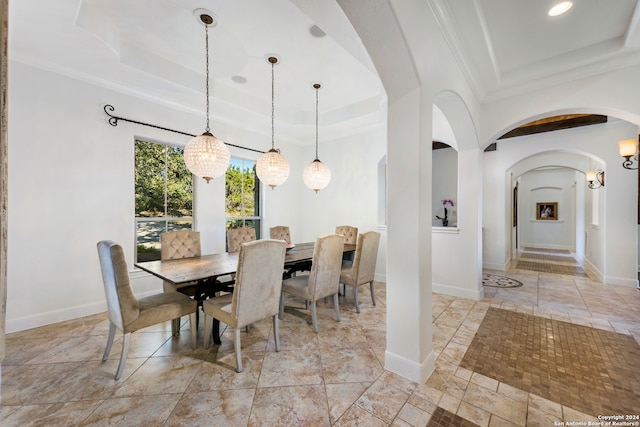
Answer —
53 375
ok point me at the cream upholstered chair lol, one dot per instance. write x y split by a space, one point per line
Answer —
280 232
363 268
350 233
350 238
256 295
130 314
237 236
324 278
180 244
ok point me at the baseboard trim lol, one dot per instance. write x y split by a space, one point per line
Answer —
474 294
60 315
417 372
492 266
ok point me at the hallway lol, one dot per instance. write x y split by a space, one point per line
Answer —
557 348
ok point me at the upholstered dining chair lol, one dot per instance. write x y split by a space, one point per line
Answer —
363 268
324 278
350 233
237 236
180 244
256 294
128 313
280 232
350 238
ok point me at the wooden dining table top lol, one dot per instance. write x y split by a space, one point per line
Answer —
184 270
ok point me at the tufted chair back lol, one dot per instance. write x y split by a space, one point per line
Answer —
280 232
180 244
350 233
237 236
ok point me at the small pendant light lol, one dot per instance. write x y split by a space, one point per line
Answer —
316 175
272 168
206 156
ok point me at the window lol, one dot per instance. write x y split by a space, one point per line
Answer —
164 195
242 202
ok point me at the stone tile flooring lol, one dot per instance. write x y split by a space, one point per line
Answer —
53 375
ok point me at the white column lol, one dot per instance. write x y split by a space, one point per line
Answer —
409 330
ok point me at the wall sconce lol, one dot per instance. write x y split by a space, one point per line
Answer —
628 149
595 179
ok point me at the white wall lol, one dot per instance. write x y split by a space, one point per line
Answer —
351 198
71 185
542 186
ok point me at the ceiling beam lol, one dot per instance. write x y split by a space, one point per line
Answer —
555 123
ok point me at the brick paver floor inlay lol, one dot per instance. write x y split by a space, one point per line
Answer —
566 363
536 256
443 418
551 268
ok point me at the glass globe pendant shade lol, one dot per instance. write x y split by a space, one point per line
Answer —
206 156
316 175
272 168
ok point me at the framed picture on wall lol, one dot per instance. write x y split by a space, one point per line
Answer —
547 211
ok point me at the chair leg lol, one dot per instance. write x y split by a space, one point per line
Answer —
207 330
193 324
216 331
238 352
355 298
126 340
175 326
281 313
314 317
336 306
276 332
112 334
373 297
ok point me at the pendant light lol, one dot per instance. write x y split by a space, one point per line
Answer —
206 156
316 174
272 168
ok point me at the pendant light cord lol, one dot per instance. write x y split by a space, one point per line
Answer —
272 105
206 44
317 123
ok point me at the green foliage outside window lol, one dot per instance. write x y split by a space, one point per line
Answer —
242 197
163 195
151 176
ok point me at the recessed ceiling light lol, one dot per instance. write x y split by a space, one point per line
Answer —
560 8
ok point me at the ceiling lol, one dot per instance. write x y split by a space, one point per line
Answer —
155 49
506 47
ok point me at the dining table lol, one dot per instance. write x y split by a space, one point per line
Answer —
212 266
206 270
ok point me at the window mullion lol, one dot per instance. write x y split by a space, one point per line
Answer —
166 176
